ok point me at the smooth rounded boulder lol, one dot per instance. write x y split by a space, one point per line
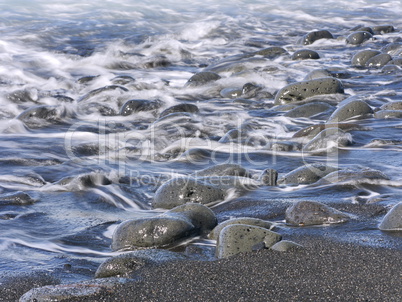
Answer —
393 220
305 54
185 107
150 232
240 238
350 109
313 36
305 213
358 37
306 174
378 61
133 106
299 91
360 58
327 140
214 235
202 78
179 191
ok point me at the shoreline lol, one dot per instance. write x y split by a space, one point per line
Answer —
324 270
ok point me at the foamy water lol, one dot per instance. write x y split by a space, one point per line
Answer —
83 60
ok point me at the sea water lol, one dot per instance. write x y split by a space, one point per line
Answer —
87 168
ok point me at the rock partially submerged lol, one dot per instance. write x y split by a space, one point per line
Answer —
305 213
393 220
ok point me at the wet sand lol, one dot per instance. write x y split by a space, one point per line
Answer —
323 271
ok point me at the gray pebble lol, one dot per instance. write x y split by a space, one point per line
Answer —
350 109
308 110
328 139
304 213
271 52
239 220
202 78
358 37
385 114
190 108
203 219
16 198
396 105
393 49
222 170
383 29
150 232
241 238
179 191
125 264
360 59
301 90
304 54
286 246
361 175
133 106
306 174
393 220
379 60
313 36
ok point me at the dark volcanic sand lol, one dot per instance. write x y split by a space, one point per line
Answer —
323 271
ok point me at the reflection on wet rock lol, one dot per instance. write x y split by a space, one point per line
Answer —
393 220
358 37
305 213
304 54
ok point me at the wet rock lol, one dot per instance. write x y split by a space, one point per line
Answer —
24 96
203 219
360 59
190 108
202 78
286 246
309 110
150 232
354 176
391 69
241 238
304 54
98 91
222 170
269 177
350 109
328 139
122 80
240 220
42 115
286 146
271 52
133 106
306 174
63 292
231 93
396 105
334 72
179 191
301 90
379 60
16 198
313 130
393 220
383 29
304 213
358 37
313 36
87 79
386 114
367 29
126 264
393 49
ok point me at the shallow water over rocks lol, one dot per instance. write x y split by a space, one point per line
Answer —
105 110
